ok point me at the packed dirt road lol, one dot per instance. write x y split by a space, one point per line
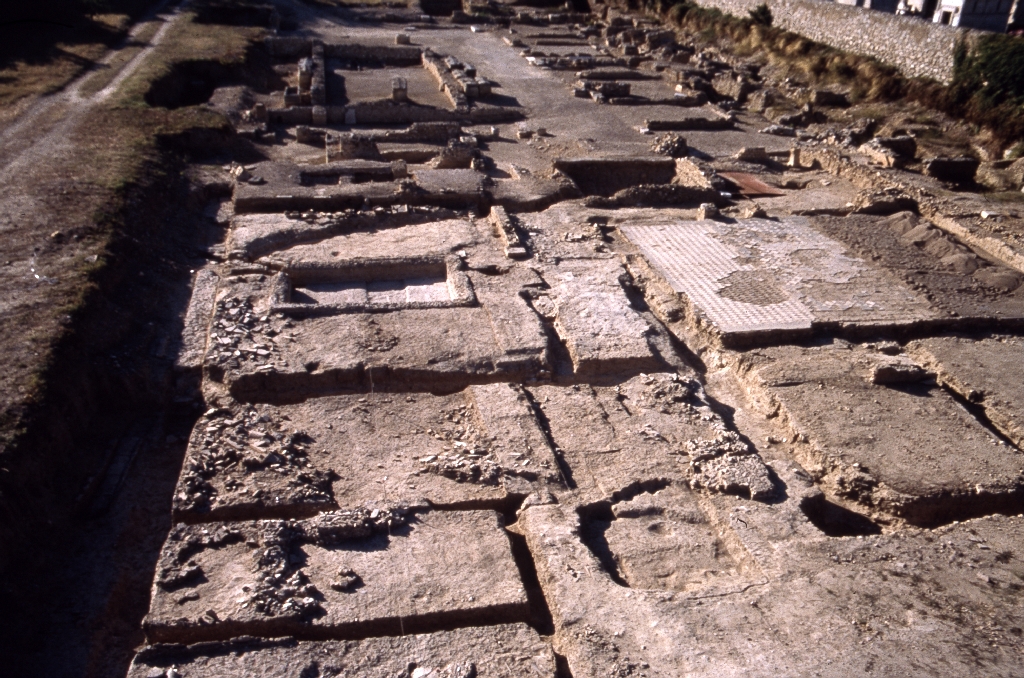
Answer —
46 174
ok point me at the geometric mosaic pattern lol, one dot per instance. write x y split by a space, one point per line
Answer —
761 275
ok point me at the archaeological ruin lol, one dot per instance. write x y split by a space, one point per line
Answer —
548 340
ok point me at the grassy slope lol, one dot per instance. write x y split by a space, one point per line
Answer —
118 152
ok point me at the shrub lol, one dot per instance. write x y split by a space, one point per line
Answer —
761 15
993 70
678 11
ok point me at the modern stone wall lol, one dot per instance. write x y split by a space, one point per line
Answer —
917 48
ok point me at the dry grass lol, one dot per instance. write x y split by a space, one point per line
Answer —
790 54
37 67
997 63
122 171
105 73
187 41
1012 199
23 79
133 127
117 147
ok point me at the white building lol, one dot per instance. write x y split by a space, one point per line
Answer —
985 15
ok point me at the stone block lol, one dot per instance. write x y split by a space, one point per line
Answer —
319 115
502 651
778 130
890 151
905 146
823 97
733 87
399 90
752 154
197 321
318 95
671 145
707 210
762 99
911 451
986 372
594 318
605 88
689 124
348 574
456 155
880 155
885 201
507 232
518 330
305 73
350 146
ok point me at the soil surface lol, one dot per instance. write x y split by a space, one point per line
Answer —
538 346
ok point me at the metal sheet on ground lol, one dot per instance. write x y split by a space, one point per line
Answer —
750 186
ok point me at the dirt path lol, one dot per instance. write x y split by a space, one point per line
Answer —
46 204
37 123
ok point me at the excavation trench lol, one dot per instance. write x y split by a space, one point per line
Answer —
344 462
97 464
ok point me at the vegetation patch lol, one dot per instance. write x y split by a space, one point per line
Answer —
44 46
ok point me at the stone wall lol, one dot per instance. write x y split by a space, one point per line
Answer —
288 46
449 85
391 55
917 48
397 55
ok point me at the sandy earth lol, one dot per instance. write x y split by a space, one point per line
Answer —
514 386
